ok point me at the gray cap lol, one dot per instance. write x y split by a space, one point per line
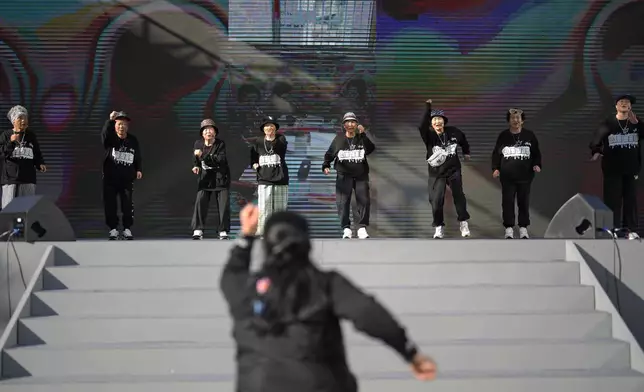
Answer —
349 116
122 116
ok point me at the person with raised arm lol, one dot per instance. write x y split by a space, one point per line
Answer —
441 142
348 152
121 167
618 141
286 316
22 157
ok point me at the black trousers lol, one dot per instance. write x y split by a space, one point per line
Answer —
344 187
519 191
620 195
222 209
118 190
437 186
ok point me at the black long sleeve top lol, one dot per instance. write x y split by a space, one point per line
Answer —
310 354
214 172
349 155
122 157
271 158
516 154
449 140
620 143
22 158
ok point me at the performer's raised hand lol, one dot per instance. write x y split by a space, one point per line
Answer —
249 219
424 368
632 118
360 129
198 153
428 101
113 115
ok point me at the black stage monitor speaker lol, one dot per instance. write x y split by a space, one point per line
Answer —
583 216
37 218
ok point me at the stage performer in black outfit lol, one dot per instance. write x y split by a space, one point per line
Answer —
121 166
444 167
211 165
515 159
348 152
22 157
619 142
286 317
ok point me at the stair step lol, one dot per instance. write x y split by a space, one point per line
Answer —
183 358
201 302
595 381
387 251
70 330
374 275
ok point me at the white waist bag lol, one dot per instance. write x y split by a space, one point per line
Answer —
437 158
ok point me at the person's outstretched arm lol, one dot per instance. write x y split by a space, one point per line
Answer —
370 317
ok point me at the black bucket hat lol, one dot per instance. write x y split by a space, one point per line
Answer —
208 123
438 113
269 120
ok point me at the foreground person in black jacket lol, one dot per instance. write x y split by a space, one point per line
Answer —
515 159
619 142
211 165
22 157
287 316
121 166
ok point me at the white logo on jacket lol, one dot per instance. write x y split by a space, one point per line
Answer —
357 155
123 157
628 140
270 160
516 152
23 152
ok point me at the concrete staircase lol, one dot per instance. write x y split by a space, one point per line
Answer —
148 316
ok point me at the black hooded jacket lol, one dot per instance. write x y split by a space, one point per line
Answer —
310 355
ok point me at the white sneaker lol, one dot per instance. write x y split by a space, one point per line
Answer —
113 235
523 233
223 235
465 229
347 233
509 233
197 234
633 236
127 234
440 232
362 233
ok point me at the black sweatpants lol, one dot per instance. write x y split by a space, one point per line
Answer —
344 187
222 209
519 191
437 186
121 190
618 190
